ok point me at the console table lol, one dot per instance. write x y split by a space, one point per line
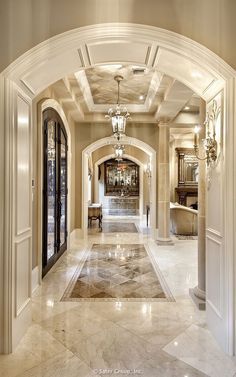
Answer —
95 213
121 205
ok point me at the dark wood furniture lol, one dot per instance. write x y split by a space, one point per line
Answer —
121 178
95 213
187 175
184 192
147 212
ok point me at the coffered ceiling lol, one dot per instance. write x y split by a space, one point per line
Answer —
148 94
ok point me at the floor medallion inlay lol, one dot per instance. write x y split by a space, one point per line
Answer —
124 272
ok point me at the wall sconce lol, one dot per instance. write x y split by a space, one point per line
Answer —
209 143
147 170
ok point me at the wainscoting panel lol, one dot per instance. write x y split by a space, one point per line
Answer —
22 281
22 218
22 165
214 268
216 307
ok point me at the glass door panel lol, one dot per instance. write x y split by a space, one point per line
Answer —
63 189
54 189
51 189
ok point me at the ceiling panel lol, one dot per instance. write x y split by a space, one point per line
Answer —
120 51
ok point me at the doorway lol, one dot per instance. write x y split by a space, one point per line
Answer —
54 189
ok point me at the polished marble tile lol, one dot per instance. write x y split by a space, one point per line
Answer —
72 338
36 347
64 364
121 227
164 366
196 347
112 271
113 348
76 325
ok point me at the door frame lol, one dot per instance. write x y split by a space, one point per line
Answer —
58 250
43 105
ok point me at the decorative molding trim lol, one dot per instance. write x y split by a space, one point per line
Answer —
110 140
213 232
219 311
79 39
209 302
35 279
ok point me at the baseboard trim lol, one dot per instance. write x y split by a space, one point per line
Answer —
76 234
35 279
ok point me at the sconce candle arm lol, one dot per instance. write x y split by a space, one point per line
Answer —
210 143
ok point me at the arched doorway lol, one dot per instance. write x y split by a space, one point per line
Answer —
126 141
131 158
55 191
179 57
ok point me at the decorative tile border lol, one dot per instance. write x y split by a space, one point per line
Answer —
169 297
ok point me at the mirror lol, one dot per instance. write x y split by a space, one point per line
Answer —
187 167
121 178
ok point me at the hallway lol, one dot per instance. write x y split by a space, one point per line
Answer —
99 337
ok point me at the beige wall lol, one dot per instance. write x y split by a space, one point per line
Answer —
25 23
87 133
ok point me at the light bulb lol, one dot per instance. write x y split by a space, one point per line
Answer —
197 129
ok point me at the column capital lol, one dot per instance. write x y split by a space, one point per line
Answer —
163 123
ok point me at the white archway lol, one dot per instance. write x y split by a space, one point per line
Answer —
171 53
126 141
141 171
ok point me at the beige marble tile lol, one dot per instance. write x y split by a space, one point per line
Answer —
75 325
50 308
158 330
126 335
197 347
165 366
62 365
113 348
35 347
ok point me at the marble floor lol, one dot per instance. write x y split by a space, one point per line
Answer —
116 272
150 339
115 227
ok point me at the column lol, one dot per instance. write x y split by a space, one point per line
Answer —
198 293
164 185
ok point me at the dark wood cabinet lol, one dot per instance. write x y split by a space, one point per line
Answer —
187 175
121 178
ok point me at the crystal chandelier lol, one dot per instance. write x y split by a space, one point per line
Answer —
119 151
119 115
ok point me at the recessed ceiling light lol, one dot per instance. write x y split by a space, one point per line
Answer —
138 71
196 74
186 108
141 97
110 66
